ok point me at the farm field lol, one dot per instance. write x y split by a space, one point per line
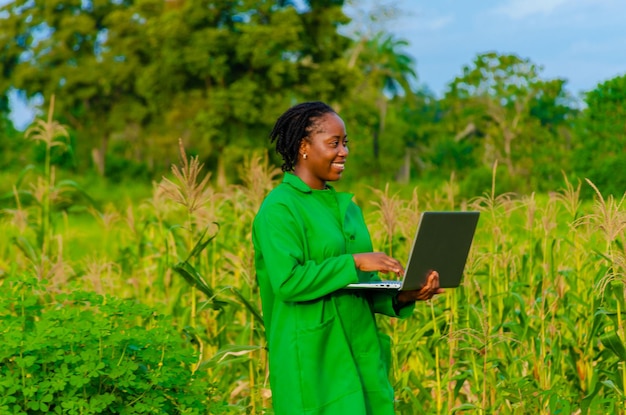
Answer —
127 281
150 304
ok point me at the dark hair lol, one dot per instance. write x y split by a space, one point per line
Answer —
291 127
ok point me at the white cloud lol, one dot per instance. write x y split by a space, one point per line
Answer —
519 9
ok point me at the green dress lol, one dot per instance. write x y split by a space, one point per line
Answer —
326 355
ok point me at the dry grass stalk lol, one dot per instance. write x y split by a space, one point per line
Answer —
107 218
259 177
48 132
608 215
617 273
389 211
409 220
157 204
569 197
489 202
56 271
19 215
39 189
530 203
549 217
610 219
208 215
186 190
130 220
100 273
451 189
44 188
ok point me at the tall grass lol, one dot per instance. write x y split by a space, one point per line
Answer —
536 327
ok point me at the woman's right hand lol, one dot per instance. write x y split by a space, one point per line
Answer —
378 261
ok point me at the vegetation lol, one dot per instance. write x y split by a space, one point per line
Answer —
85 353
217 74
536 327
129 288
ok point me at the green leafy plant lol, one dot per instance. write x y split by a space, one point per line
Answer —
83 353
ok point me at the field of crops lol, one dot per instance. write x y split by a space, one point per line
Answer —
152 306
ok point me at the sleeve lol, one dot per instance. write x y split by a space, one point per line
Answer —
279 236
383 303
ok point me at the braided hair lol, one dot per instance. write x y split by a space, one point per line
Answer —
293 126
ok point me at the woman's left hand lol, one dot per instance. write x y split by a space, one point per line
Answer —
428 290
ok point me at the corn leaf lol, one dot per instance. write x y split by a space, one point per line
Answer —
251 308
229 354
193 277
70 183
202 243
27 249
612 341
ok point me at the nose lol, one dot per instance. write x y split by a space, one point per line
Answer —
343 150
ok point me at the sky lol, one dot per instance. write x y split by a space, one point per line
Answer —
582 41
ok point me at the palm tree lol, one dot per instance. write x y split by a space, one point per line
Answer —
388 71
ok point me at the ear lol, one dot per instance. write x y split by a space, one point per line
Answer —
304 147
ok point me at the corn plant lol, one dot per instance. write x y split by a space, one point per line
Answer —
536 327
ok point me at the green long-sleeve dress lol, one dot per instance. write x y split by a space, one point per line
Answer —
326 354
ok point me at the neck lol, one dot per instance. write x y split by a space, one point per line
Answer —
313 183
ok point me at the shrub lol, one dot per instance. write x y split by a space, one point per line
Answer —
83 353
119 169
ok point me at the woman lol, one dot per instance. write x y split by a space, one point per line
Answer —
325 352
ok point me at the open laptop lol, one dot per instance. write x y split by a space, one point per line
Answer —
442 243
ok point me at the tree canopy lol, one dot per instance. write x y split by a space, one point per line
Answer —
132 77
128 71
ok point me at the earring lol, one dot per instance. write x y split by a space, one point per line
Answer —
304 156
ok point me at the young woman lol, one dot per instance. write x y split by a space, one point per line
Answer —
326 354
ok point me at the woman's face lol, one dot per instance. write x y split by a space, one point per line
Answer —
326 149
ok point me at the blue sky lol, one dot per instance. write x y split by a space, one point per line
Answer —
582 41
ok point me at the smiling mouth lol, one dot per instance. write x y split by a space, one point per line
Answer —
339 166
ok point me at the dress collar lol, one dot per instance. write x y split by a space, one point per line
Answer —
343 198
297 182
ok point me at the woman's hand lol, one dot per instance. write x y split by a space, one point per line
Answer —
378 261
428 290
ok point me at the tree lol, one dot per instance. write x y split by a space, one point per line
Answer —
132 77
9 136
502 101
60 47
600 137
386 72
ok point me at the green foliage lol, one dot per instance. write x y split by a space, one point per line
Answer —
448 155
512 115
133 77
603 173
83 353
480 181
213 73
46 196
601 135
120 169
10 148
536 327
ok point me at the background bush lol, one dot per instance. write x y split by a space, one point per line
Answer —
84 353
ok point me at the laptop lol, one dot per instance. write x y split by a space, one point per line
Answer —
442 243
